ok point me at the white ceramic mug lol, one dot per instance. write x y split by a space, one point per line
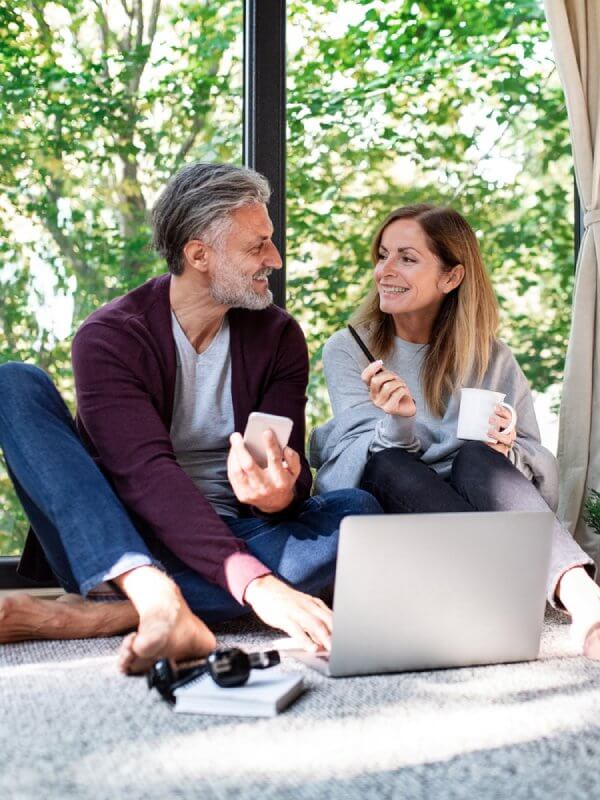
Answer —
476 408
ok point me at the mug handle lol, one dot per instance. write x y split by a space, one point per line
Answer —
513 422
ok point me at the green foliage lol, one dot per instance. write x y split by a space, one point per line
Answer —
591 510
388 103
100 104
416 101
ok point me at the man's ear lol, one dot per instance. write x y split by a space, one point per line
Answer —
453 279
195 255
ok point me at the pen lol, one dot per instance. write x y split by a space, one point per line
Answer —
366 351
361 344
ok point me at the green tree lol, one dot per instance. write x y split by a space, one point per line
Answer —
102 100
419 101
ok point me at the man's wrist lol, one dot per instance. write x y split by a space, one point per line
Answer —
256 585
278 507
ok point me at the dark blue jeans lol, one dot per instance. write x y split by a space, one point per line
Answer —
88 536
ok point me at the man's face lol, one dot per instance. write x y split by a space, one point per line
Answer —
244 260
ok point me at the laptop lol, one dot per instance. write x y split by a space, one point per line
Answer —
427 591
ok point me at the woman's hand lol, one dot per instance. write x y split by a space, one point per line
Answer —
388 391
503 441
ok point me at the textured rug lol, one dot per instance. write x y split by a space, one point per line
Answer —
72 727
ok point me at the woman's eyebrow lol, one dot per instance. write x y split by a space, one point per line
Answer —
404 249
401 249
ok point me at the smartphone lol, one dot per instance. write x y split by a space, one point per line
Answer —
258 423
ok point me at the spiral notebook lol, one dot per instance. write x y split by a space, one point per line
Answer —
266 694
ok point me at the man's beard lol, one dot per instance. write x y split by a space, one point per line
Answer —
232 288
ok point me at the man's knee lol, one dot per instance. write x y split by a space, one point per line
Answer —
24 390
18 380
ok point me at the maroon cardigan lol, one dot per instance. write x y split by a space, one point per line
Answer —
125 367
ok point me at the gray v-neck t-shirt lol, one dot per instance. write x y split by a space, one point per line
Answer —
203 416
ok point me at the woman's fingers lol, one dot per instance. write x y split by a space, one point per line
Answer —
388 389
502 438
400 400
369 371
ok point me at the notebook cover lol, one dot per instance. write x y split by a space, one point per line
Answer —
266 694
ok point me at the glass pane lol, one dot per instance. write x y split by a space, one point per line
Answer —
102 102
440 102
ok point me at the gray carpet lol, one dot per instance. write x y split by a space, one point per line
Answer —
72 727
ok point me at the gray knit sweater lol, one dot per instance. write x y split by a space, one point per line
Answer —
341 447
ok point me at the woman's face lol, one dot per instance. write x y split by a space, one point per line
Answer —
407 274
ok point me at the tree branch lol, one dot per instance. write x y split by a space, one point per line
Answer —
125 43
65 246
185 148
45 30
153 21
139 16
105 33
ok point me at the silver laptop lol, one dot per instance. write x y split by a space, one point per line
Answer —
425 591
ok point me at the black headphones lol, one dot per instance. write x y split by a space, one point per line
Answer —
227 666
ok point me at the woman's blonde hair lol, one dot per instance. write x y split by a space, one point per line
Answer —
466 324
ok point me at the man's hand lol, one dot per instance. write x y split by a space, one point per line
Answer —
388 391
303 617
503 441
270 489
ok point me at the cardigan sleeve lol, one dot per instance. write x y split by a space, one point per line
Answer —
119 417
285 395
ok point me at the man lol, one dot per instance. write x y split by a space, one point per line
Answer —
166 377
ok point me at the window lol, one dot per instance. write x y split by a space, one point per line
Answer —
443 102
103 101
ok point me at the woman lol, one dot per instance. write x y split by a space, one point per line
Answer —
430 320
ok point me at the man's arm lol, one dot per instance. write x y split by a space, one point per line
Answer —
116 409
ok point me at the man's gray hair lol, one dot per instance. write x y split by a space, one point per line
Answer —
197 204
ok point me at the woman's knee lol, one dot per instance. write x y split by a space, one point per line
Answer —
473 458
391 463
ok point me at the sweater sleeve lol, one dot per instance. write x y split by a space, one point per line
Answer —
134 448
528 454
343 363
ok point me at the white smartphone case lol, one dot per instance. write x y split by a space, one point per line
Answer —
258 423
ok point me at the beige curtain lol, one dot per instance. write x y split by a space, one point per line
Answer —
575 31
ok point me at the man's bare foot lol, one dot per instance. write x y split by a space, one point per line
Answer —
161 635
24 618
167 627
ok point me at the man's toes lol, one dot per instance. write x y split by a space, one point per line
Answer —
126 653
